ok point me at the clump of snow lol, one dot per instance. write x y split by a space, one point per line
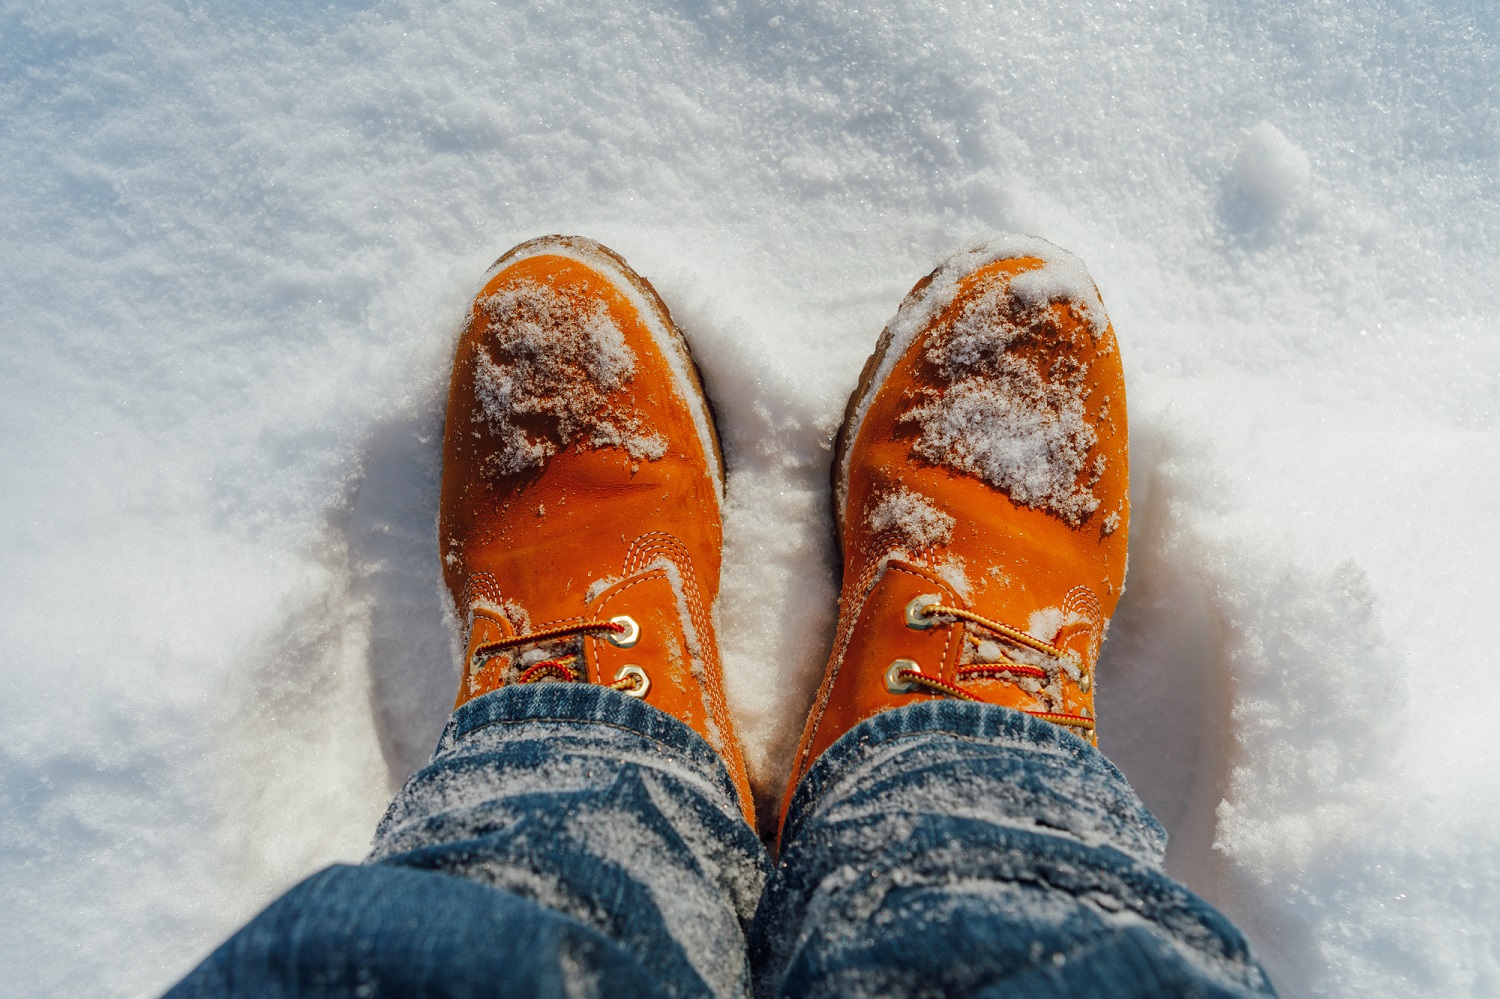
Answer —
550 359
1061 280
1045 623
1017 442
913 516
1270 170
1015 420
598 586
953 570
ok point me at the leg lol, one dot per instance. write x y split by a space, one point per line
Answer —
567 838
956 849
953 830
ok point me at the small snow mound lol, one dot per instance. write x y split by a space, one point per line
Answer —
545 374
1270 170
913 516
1002 417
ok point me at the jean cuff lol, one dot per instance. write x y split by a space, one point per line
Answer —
983 723
587 706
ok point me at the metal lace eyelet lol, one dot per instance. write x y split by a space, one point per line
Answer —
894 683
627 638
643 682
917 617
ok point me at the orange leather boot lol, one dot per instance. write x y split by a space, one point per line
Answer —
982 497
579 527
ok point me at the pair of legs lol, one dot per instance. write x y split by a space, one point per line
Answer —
586 825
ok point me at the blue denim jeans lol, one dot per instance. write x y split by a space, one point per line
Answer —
567 840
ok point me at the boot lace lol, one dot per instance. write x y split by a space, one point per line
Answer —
630 680
924 613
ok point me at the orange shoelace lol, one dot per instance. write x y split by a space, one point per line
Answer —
1006 669
549 635
562 668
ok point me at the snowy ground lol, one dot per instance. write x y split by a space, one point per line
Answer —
235 247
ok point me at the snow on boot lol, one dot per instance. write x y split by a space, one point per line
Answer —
982 497
580 527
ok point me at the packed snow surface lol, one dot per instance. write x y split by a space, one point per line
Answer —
240 241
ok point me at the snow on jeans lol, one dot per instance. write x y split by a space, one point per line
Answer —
569 840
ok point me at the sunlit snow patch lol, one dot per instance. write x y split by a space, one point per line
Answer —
549 357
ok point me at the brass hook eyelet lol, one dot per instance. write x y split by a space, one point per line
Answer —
893 681
627 638
643 682
917 617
